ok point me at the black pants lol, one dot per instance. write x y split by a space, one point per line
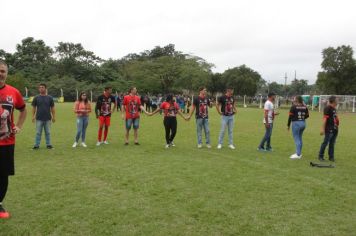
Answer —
170 124
329 139
4 182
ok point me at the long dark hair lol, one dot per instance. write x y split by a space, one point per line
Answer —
80 97
299 99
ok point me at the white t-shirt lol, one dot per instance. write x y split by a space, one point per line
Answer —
269 107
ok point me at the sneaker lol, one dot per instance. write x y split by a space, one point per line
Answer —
331 159
208 146
74 144
321 159
84 145
106 142
200 146
269 149
172 144
219 146
295 156
50 147
3 213
261 149
231 146
126 144
98 143
168 146
35 148
137 143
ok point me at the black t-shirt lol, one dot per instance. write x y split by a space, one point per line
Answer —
227 105
43 106
332 120
298 113
103 105
201 107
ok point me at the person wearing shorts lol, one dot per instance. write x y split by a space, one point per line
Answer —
131 114
103 110
10 99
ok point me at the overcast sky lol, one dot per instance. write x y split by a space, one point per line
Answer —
272 37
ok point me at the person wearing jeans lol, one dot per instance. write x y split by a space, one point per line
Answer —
297 115
330 129
82 108
200 107
43 113
268 122
226 108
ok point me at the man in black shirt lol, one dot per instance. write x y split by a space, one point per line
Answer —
43 113
200 106
226 108
103 110
330 129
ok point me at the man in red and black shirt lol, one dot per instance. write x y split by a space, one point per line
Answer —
200 106
132 107
103 110
330 129
10 99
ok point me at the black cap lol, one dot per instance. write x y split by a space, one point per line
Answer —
271 94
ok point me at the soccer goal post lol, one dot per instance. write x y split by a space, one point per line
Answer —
346 103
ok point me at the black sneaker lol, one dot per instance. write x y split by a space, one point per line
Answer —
321 159
35 148
50 147
137 143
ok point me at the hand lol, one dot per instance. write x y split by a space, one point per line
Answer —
33 120
53 119
276 113
16 129
267 125
288 128
322 132
122 117
97 117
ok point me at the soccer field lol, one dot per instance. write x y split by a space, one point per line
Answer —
149 190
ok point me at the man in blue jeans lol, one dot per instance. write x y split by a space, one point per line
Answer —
43 113
268 119
330 129
200 106
225 105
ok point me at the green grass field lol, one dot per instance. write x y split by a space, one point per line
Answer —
148 190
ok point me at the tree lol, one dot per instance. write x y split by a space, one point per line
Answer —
339 71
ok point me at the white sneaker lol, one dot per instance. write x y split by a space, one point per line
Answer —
84 145
200 146
168 146
106 142
219 146
295 156
172 144
231 146
208 146
74 144
98 143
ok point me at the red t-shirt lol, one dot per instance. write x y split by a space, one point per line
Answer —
10 98
170 109
132 106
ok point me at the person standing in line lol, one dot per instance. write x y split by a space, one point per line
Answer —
200 106
330 129
268 119
132 106
82 109
103 109
170 110
43 113
10 99
297 115
226 108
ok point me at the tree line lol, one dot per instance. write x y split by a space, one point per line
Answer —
69 66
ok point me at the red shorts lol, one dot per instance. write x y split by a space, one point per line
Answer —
104 120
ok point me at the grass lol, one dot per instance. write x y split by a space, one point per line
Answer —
148 190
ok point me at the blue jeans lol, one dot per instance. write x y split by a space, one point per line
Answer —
82 124
229 122
267 137
203 123
46 126
298 128
330 138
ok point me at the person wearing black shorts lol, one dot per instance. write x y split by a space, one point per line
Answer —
10 99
